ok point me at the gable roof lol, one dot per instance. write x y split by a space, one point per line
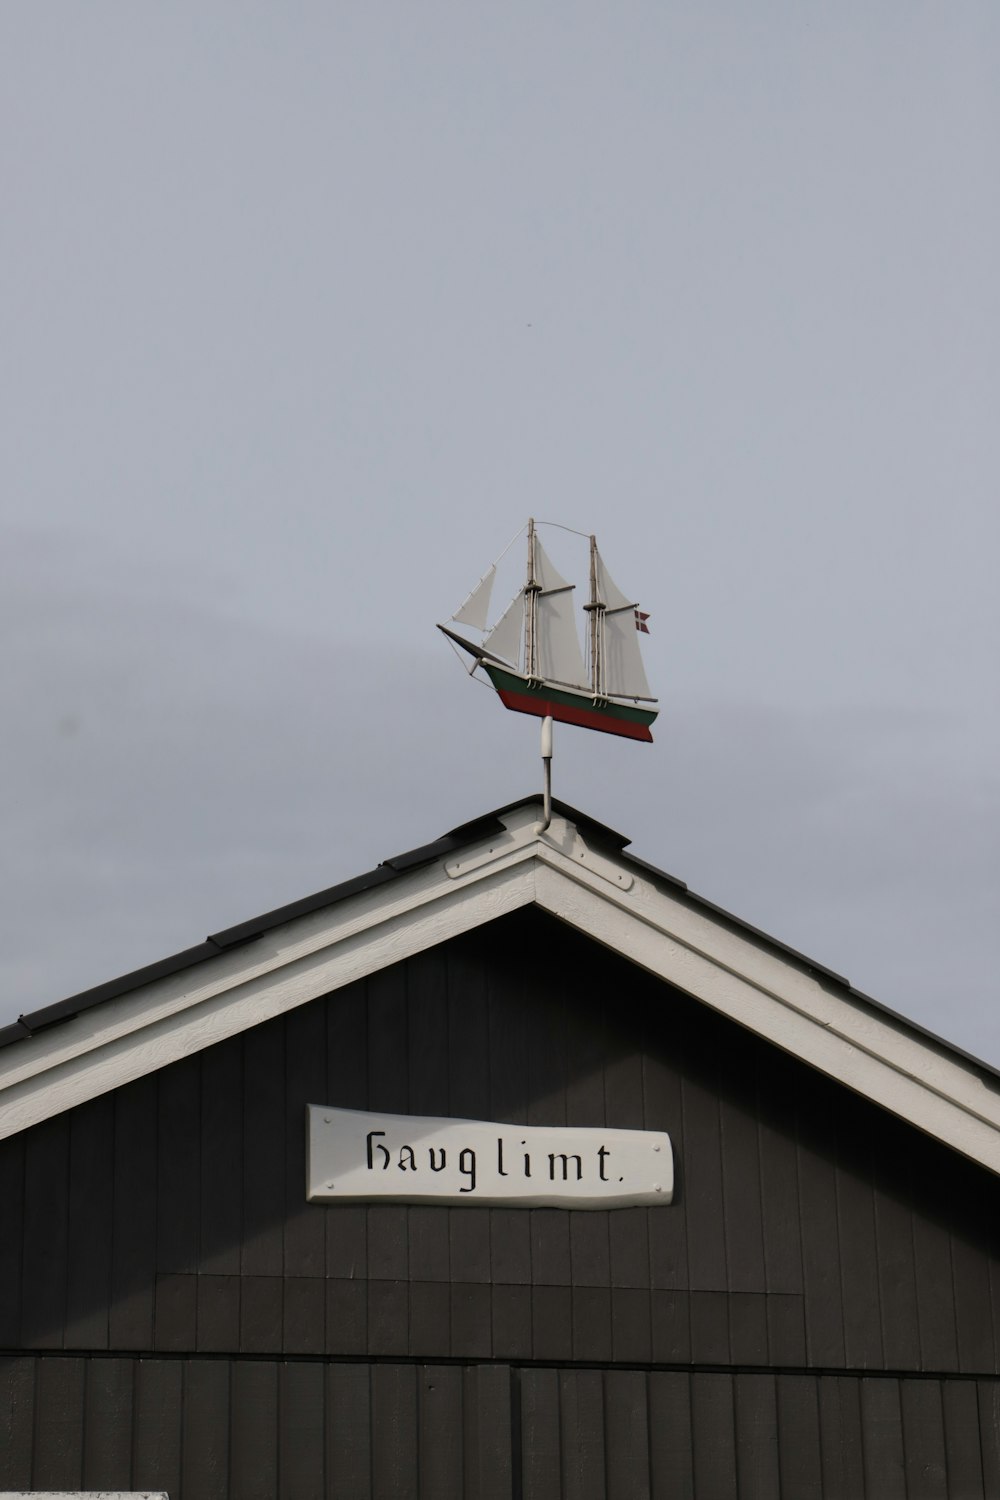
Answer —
578 871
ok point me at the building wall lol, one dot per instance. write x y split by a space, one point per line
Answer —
818 1258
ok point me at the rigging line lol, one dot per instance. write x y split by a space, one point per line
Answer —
469 671
493 564
560 527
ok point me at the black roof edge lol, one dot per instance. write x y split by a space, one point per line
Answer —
485 826
245 932
255 927
479 828
64 1010
15 1032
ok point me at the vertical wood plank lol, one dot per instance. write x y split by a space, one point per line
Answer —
303 1315
670 1326
511 1321
11 1231
388 1318
428 1252
780 1211
17 1412
301 1457
894 1241
178 1166
205 1434
46 1229
935 1294
626 1435
218 1314
703 1196
510 1243
488 1433
395 1470
133 1235
963 1450
549 1228
798 1437
305 1083
468 1020
551 1264
541 1458
713 1436
581 1434
670 1441
253 1452
346 1317
741 1173
631 1326
841 1445
156 1463
748 1328
977 1353
59 1411
348 1431
709 1328
261 1314
264 1150
590 1249
388 1090
923 1440
855 1129
757 1437
882 1435
175 1313
628 1228
91 1194
988 1392
661 1090
441 1432
347 1086
471 1320
817 1103
428 1029
430 1320
552 1322
222 1169
591 1313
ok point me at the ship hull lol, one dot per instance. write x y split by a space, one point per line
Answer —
545 701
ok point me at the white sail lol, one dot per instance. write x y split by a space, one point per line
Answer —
557 645
608 592
624 676
504 640
545 574
475 611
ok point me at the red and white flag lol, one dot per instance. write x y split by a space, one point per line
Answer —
640 621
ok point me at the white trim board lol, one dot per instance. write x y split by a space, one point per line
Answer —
606 897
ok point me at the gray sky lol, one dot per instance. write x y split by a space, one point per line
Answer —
306 308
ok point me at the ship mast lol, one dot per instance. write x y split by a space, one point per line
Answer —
531 591
595 609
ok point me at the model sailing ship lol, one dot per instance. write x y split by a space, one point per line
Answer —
532 654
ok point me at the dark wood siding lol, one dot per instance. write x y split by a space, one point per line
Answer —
266 1428
789 1325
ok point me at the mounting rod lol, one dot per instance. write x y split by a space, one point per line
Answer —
547 768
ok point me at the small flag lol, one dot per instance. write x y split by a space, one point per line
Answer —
640 621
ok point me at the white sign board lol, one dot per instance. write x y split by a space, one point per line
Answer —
353 1155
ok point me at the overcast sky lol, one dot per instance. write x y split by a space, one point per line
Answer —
307 307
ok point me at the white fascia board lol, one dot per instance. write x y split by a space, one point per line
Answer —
601 895
153 1026
771 995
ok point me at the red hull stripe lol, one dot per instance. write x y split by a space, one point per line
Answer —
565 713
